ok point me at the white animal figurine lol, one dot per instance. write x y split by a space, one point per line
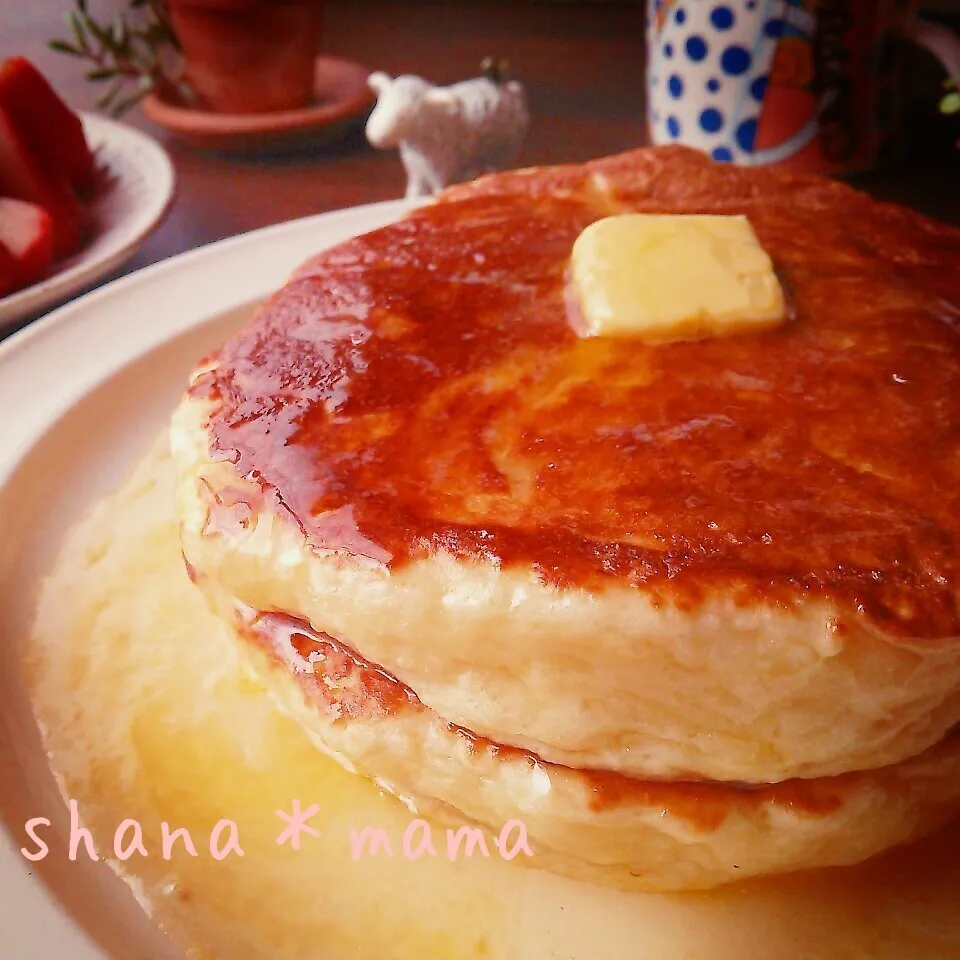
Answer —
448 134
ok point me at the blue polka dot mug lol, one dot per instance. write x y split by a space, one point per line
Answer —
808 84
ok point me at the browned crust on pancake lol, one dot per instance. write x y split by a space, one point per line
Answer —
405 394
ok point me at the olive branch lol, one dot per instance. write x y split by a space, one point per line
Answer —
136 48
950 103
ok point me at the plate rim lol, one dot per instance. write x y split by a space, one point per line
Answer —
43 346
80 312
50 290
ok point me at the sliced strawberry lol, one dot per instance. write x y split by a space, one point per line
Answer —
26 231
9 277
51 130
24 177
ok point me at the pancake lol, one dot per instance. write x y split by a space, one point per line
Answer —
599 827
732 560
148 713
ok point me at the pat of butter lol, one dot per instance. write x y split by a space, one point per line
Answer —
660 278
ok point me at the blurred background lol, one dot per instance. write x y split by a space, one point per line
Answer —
582 62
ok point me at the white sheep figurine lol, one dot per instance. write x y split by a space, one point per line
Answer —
448 134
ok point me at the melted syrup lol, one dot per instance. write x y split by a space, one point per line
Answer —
420 388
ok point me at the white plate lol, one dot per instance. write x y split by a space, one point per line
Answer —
81 393
140 189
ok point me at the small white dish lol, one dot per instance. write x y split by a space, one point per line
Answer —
138 190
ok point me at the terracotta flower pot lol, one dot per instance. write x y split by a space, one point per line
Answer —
249 56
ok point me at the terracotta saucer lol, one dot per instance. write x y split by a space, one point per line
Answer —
341 93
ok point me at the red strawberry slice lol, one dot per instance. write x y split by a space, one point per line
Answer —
23 176
9 276
26 232
50 129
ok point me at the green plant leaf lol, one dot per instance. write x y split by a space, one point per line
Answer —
129 102
76 25
950 103
105 99
101 35
120 33
61 46
103 73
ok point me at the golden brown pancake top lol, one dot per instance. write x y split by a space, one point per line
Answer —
420 388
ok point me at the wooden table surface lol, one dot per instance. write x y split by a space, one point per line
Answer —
583 66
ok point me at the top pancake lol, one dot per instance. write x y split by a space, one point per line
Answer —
421 387
419 390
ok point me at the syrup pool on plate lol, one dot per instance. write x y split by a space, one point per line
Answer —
151 714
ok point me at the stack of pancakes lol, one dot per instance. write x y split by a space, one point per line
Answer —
688 611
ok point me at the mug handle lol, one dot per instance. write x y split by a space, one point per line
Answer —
941 41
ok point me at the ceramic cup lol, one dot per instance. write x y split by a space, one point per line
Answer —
811 85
